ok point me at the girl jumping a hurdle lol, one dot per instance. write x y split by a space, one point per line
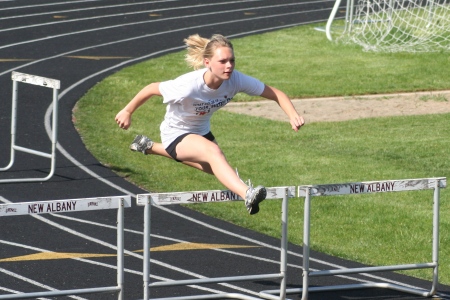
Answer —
191 100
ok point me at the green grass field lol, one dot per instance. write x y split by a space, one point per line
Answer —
378 229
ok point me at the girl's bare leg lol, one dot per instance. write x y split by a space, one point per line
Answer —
158 149
197 151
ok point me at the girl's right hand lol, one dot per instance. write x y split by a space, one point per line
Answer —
123 119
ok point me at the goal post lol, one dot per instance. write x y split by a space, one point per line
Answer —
392 25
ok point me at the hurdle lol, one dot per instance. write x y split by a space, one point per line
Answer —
369 187
39 81
147 200
74 205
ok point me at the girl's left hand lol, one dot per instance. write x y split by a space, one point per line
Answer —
297 122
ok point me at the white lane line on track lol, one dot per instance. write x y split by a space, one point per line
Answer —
152 35
33 282
162 19
96 263
125 14
155 34
48 4
277 262
25 279
14 291
83 9
103 265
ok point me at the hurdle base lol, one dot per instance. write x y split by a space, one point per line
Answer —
396 287
217 280
63 293
212 296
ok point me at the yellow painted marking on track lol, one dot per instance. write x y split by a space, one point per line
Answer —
59 17
155 15
173 247
53 255
98 57
249 13
14 59
196 246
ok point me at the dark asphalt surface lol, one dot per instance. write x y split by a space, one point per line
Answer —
57 39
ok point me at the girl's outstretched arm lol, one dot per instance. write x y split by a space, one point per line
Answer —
286 105
123 118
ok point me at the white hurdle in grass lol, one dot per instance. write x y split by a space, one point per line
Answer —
74 205
148 200
43 82
367 188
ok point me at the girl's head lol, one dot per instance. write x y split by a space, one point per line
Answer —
199 49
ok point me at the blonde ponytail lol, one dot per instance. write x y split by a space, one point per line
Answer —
199 48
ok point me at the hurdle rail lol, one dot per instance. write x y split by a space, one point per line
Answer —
147 200
74 205
309 191
39 81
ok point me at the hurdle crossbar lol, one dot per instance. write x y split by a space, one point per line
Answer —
74 205
39 81
147 200
310 191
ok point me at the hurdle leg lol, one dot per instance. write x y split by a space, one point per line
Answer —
120 249
284 244
146 267
13 126
306 241
435 255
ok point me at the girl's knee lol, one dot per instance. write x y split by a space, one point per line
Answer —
215 150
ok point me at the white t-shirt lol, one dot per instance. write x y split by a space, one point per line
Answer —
191 103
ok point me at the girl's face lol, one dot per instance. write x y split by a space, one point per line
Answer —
221 65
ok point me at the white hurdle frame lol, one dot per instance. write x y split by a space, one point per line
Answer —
147 200
309 191
73 205
39 81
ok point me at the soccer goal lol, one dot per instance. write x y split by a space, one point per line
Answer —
392 25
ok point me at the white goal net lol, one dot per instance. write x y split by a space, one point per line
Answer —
398 25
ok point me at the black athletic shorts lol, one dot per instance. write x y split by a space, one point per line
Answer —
172 149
